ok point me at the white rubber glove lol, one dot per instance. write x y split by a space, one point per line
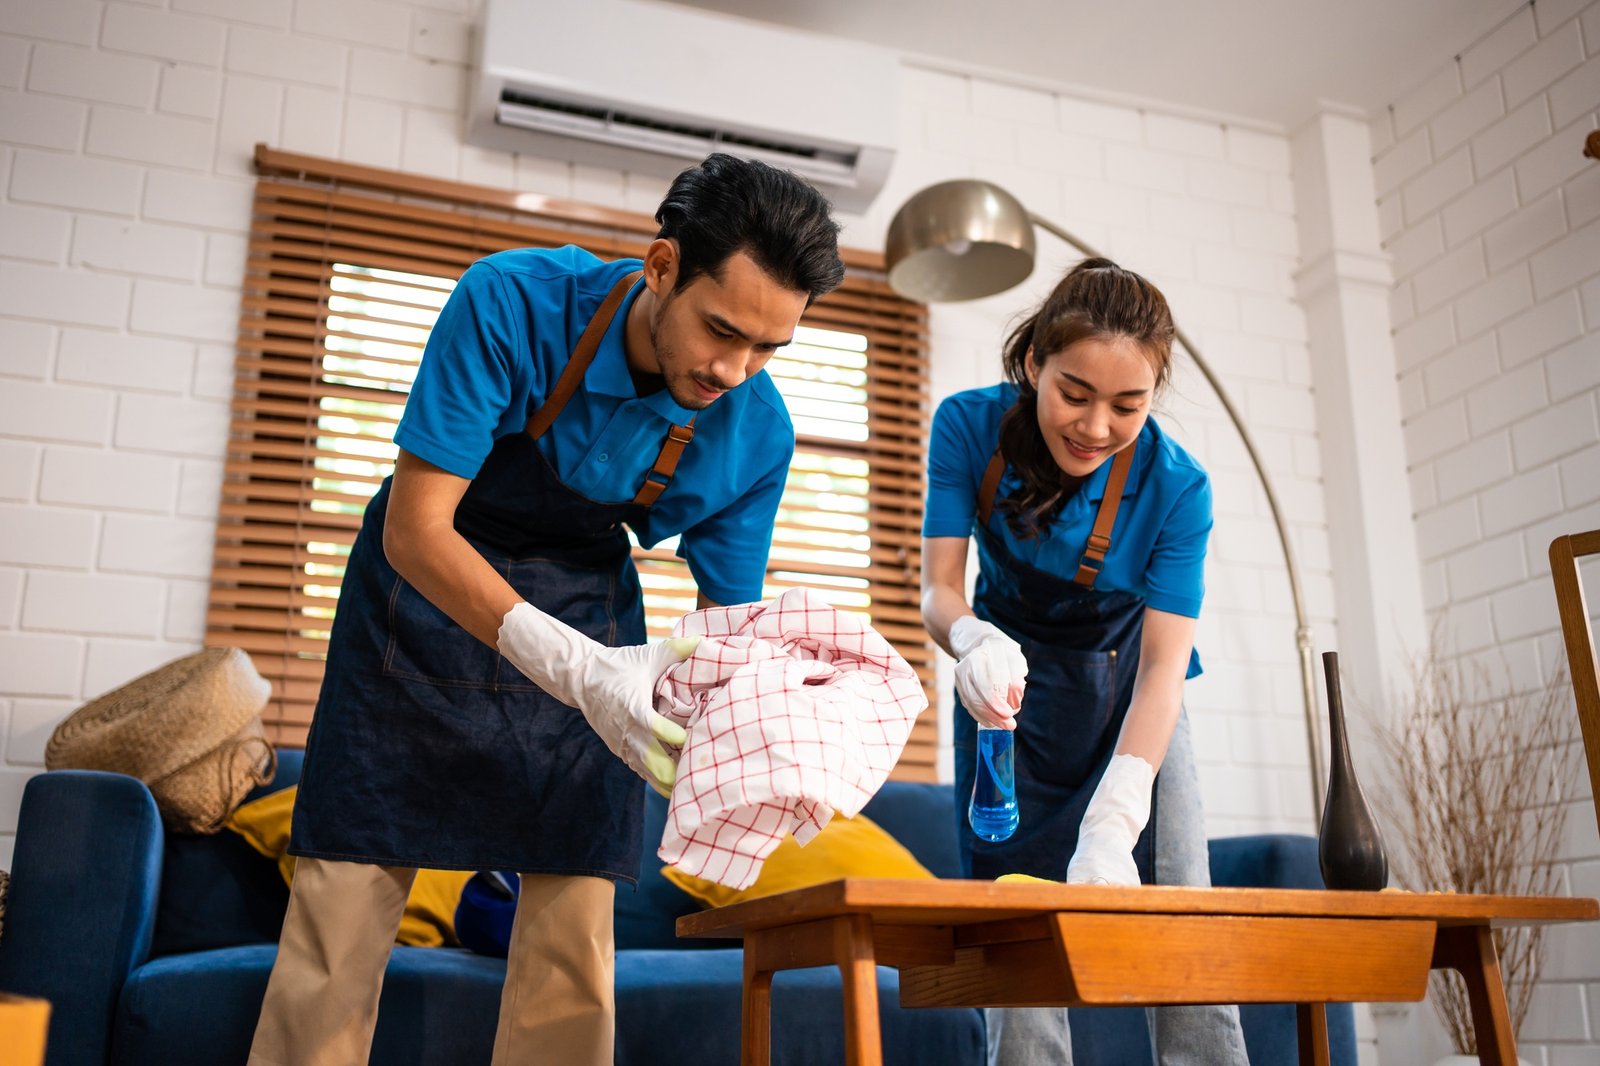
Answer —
1111 826
991 673
613 687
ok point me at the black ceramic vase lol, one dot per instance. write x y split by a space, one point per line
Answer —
1350 847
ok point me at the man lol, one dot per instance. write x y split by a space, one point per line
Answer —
490 592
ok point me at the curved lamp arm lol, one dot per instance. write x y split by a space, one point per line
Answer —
1302 633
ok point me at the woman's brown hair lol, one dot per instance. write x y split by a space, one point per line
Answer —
1096 299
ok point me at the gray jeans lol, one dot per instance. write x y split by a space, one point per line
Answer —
1182 1036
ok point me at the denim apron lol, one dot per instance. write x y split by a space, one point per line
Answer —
428 748
1082 648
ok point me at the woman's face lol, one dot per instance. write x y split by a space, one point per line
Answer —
1094 397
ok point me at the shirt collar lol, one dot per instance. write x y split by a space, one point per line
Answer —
608 374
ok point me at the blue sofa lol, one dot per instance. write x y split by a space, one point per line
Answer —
154 950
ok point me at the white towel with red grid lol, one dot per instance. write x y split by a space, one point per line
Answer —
794 710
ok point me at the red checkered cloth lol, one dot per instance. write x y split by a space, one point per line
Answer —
794 710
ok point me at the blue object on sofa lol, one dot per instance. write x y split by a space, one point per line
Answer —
154 949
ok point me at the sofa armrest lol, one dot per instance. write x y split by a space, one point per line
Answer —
82 903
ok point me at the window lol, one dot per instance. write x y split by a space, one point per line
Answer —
348 267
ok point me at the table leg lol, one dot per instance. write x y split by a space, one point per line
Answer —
852 945
756 1022
1312 1019
1469 950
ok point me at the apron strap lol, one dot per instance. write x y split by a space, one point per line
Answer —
1094 553
678 437
990 486
582 356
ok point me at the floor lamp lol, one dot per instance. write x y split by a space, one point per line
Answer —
960 240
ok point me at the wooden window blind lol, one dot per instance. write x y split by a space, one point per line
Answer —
347 268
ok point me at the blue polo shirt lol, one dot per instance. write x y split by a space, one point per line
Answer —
1158 546
498 348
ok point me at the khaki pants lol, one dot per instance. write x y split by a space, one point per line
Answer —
557 1004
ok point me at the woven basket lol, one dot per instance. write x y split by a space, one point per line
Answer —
191 730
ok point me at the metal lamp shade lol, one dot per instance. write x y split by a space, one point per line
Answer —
959 240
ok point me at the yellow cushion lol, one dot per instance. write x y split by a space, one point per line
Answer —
429 919
846 847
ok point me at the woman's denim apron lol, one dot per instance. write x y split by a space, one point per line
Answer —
428 748
1082 648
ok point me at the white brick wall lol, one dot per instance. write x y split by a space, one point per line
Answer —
1489 214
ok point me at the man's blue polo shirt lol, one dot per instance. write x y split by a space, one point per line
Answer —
1158 546
496 351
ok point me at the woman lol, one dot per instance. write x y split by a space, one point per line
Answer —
1092 528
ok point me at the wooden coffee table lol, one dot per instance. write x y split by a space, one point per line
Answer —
983 944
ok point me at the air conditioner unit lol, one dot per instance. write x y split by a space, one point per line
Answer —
655 87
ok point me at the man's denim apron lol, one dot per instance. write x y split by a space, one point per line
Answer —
1082 648
428 748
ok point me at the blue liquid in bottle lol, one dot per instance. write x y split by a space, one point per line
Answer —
993 813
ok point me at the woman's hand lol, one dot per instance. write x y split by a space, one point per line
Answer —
991 672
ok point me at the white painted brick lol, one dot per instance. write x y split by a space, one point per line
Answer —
200 488
1380 129
1391 215
1098 120
72 181
429 147
1137 167
1487 203
1590 23
1474 111
1590 293
93 604
1280 193
1545 327
1437 185
1402 304
1511 396
63 295
1575 367
1468 627
1524 499
1474 466
186 610
85 74
1494 301
407 80
1227 183
1533 227
1580 477
213 372
312 120
225 258
1461 368
1574 95
33 233
550 177
1539 535
1442 530
1282 406
13 62
172 547
170 426
436 35
271 13
34 664
1435 584
372 134
1513 135
103 479
1427 99
1172 133
1570 260
1423 338
251 113
73 21
1062 153
1494 564
1260 741
164 308
19 472
1534 70
41 121
1450 275
1256 150
366 22
178 38
1550 14
1552 161
124 362
1277 317
934 89
1409 157
32 723
643 194
165 140
190 91
213 203
485 166
1555 1011
1582 194
1488 55
1242 269
113 663
130 247
1413 396
25 348
1562 428
1266 231
1011 104
40 536
1418 245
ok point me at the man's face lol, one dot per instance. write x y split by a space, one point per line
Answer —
713 333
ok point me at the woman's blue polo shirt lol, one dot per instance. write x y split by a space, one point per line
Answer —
1158 546
497 349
